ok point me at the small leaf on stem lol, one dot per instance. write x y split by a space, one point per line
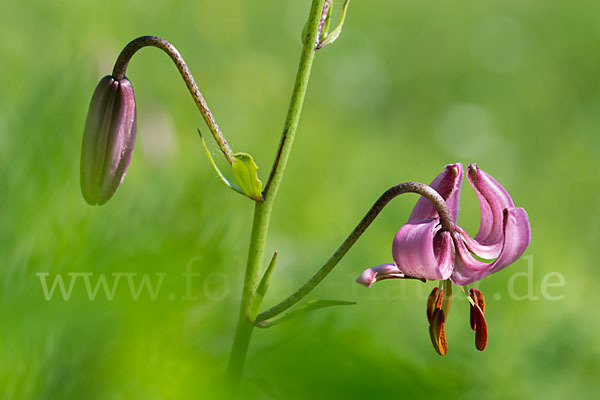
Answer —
310 306
219 173
245 172
327 21
334 34
261 291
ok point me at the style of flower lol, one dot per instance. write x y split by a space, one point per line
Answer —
422 249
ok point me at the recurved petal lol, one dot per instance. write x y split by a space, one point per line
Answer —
379 273
422 250
448 185
517 235
488 252
493 199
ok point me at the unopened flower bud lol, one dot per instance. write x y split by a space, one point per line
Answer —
108 139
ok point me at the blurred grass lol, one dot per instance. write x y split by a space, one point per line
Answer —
409 87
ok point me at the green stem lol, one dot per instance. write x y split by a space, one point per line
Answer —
293 116
258 238
143 41
262 211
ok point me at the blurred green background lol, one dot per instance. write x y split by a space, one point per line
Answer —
409 87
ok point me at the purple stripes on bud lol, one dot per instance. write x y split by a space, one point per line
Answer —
108 139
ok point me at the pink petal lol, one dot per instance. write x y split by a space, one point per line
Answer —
421 250
517 235
482 251
493 199
379 273
447 184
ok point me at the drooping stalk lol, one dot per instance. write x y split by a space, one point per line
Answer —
407 187
262 211
143 41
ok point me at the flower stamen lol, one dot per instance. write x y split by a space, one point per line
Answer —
481 332
437 332
437 320
431 300
477 301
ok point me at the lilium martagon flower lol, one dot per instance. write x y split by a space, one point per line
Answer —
108 139
422 249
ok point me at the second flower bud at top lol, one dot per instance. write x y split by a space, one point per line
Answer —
108 139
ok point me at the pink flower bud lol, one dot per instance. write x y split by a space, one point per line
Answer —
108 139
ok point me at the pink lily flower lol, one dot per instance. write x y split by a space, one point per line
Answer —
421 249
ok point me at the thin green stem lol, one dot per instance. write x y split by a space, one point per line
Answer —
447 296
293 116
258 238
466 292
262 211
136 44
407 187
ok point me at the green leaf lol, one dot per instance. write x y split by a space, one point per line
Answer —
219 173
333 35
310 306
304 33
261 291
327 21
245 172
